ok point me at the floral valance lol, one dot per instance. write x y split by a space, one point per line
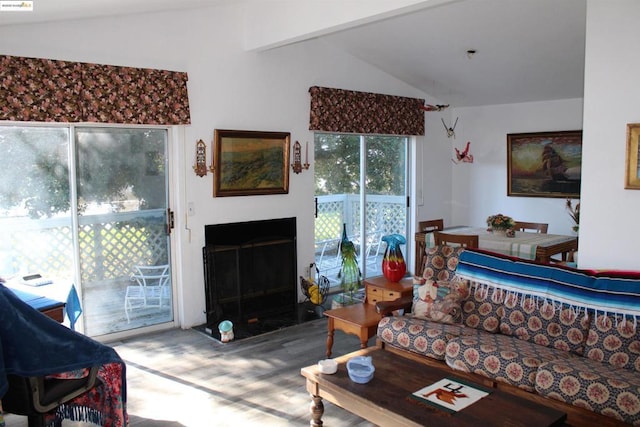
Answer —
339 110
45 90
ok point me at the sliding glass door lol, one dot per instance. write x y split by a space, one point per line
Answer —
121 177
360 187
86 206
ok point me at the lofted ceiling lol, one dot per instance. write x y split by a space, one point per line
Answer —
525 50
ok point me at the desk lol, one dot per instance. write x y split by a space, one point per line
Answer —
536 246
47 306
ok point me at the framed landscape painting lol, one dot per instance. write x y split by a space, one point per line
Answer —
250 162
544 164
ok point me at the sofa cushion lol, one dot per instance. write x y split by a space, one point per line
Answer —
592 385
483 308
439 300
614 340
500 357
546 323
419 335
441 262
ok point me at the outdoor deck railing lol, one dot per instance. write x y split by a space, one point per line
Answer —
109 244
384 215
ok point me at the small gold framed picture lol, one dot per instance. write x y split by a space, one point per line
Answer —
632 177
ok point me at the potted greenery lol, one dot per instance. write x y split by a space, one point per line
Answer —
574 213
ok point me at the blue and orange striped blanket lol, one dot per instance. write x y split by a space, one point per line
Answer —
606 292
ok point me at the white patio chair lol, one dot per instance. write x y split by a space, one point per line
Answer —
374 249
151 289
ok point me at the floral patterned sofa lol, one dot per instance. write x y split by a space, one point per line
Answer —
566 334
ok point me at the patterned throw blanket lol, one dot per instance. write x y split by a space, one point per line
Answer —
602 292
32 344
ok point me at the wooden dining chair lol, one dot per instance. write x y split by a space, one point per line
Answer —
424 227
465 240
431 225
536 227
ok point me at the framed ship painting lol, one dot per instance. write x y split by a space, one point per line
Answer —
544 164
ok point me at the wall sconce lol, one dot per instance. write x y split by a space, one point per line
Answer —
200 166
297 165
201 159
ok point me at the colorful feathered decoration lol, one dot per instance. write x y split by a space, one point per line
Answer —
463 156
429 107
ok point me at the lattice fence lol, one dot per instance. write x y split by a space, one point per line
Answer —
110 249
38 250
385 214
109 245
328 223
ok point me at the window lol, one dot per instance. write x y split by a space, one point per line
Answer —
361 185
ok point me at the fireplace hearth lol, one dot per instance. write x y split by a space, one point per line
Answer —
250 275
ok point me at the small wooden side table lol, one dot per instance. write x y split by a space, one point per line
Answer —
381 289
362 319
357 319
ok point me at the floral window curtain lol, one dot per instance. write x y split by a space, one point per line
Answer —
134 95
57 91
339 110
39 90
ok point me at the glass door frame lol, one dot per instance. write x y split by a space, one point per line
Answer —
325 247
172 151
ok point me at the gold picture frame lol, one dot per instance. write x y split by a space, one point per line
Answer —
250 163
544 164
632 175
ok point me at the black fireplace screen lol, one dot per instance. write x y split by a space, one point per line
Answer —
250 271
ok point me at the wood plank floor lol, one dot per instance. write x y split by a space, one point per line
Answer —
185 378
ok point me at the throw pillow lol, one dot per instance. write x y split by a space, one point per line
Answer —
439 300
441 262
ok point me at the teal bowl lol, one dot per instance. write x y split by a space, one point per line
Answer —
360 369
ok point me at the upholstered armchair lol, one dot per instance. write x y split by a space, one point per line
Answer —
50 373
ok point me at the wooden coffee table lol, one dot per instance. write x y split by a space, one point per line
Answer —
358 319
384 400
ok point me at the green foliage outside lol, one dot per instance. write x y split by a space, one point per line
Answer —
113 165
337 172
337 164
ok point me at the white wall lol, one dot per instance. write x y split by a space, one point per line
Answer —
433 183
480 188
228 89
609 231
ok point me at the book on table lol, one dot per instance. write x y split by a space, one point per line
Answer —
450 395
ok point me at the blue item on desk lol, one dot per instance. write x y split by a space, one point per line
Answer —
73 308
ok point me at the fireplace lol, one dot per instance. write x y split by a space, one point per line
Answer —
250 274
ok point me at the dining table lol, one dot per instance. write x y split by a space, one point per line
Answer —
526 245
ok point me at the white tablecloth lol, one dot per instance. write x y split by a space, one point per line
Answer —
523 245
